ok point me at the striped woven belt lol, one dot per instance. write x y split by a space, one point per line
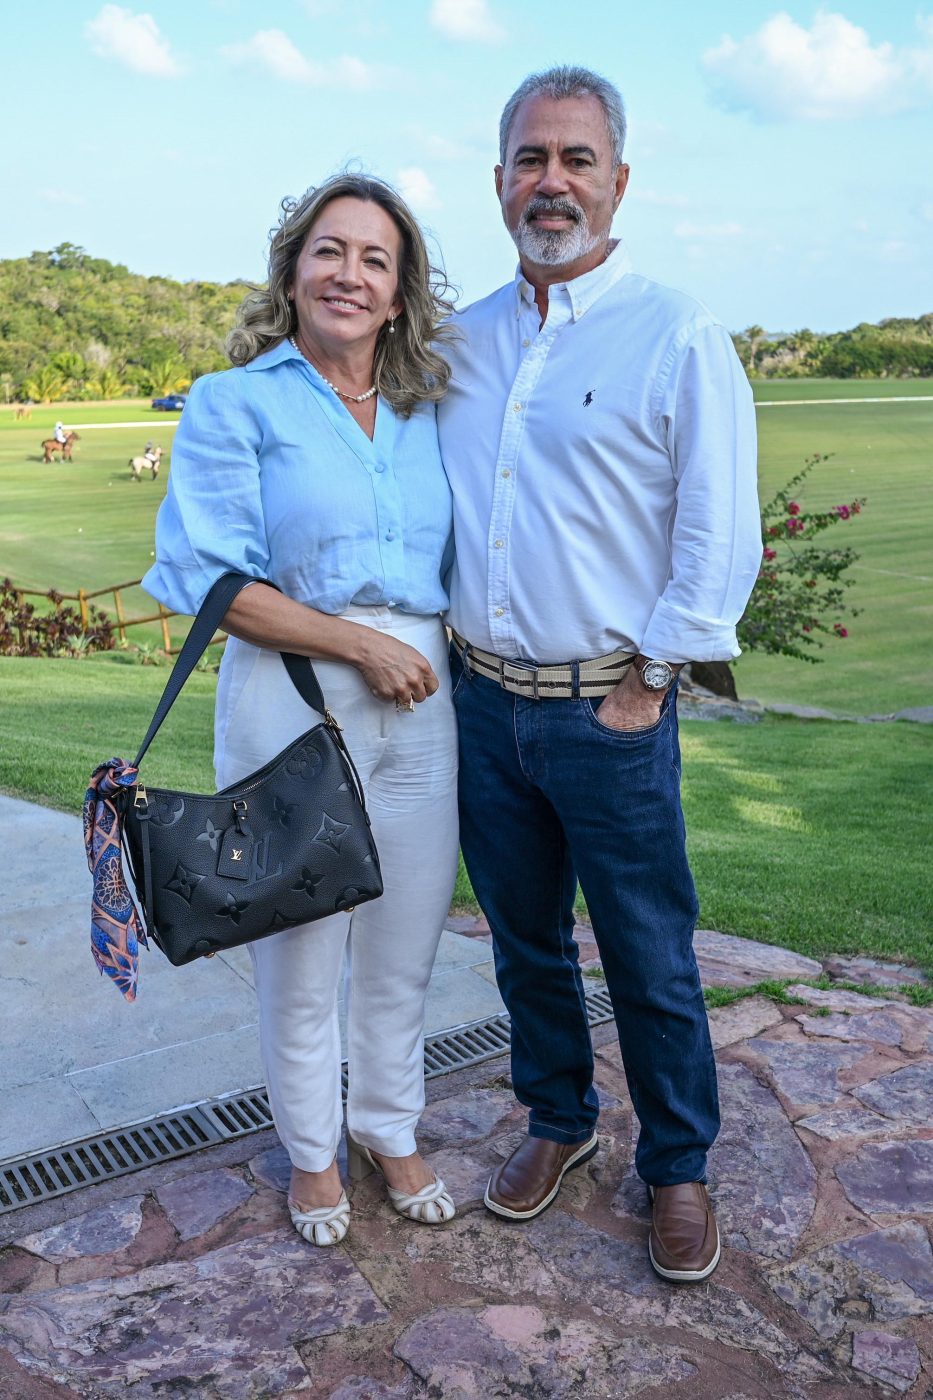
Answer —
567 681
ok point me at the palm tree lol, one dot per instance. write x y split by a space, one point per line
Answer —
106 384
72 366
167 376
754 335
46 385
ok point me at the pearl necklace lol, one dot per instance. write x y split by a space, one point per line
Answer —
354 398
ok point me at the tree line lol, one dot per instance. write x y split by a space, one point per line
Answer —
897 347
77 327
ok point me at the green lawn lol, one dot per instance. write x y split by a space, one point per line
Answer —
73 415
84 524
885 452
812 835
89 525
789 389
809 835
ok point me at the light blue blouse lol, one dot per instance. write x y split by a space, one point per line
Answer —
271 476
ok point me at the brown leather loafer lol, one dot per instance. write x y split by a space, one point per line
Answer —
528 1181
684 1241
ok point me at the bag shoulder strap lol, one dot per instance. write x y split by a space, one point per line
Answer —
210 615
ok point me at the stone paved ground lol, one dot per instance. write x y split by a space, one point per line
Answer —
187 1280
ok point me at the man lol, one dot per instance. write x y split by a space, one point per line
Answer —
59 433
600 442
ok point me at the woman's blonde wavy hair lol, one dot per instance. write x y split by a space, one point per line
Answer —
408 369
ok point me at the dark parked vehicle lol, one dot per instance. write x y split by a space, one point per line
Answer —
171 402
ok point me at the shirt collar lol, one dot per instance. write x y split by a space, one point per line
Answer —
582 291
276 356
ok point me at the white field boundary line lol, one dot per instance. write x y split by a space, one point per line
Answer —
893 573
148 423
889 398
761 403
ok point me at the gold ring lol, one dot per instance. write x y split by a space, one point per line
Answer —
407 707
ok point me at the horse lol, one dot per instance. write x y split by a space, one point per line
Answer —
22 410
52 445
148 462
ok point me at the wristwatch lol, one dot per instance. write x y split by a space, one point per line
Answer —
655 675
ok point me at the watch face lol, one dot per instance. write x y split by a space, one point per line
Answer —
657 675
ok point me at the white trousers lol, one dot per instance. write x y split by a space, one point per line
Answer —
384 951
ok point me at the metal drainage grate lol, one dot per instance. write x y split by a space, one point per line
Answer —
43 1175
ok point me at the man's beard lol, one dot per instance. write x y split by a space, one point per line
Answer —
552 247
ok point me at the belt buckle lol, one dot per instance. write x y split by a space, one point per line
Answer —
523 666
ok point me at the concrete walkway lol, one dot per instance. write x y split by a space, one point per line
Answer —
75 1057
187 1279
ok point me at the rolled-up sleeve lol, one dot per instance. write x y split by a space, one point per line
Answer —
706 410
211 521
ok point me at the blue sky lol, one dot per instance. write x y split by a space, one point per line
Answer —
781 155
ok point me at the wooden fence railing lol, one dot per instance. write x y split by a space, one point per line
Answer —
84 596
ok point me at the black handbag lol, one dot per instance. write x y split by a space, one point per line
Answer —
286 845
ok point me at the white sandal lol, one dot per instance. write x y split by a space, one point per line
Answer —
432 1205
325 1225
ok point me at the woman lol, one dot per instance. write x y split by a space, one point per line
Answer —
314 462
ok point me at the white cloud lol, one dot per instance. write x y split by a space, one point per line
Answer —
688 230
663 201
784 71
133 40
442 148
273 50
416 187
466 19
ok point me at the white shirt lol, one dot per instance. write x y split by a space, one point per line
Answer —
603 468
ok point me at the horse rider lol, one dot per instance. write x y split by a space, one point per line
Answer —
60 435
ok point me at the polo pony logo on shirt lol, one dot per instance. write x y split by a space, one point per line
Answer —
589 398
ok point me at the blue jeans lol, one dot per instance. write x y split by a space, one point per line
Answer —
548 795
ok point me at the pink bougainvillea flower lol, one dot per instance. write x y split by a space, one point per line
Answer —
793 508
770 553
839 630
794 526
843 512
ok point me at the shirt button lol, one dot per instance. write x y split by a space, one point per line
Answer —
506 471
500 544
517 407
390 535
379 467
500 612
526 343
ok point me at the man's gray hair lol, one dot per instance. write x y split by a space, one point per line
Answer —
568 82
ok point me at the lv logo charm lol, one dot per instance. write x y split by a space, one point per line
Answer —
236 854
